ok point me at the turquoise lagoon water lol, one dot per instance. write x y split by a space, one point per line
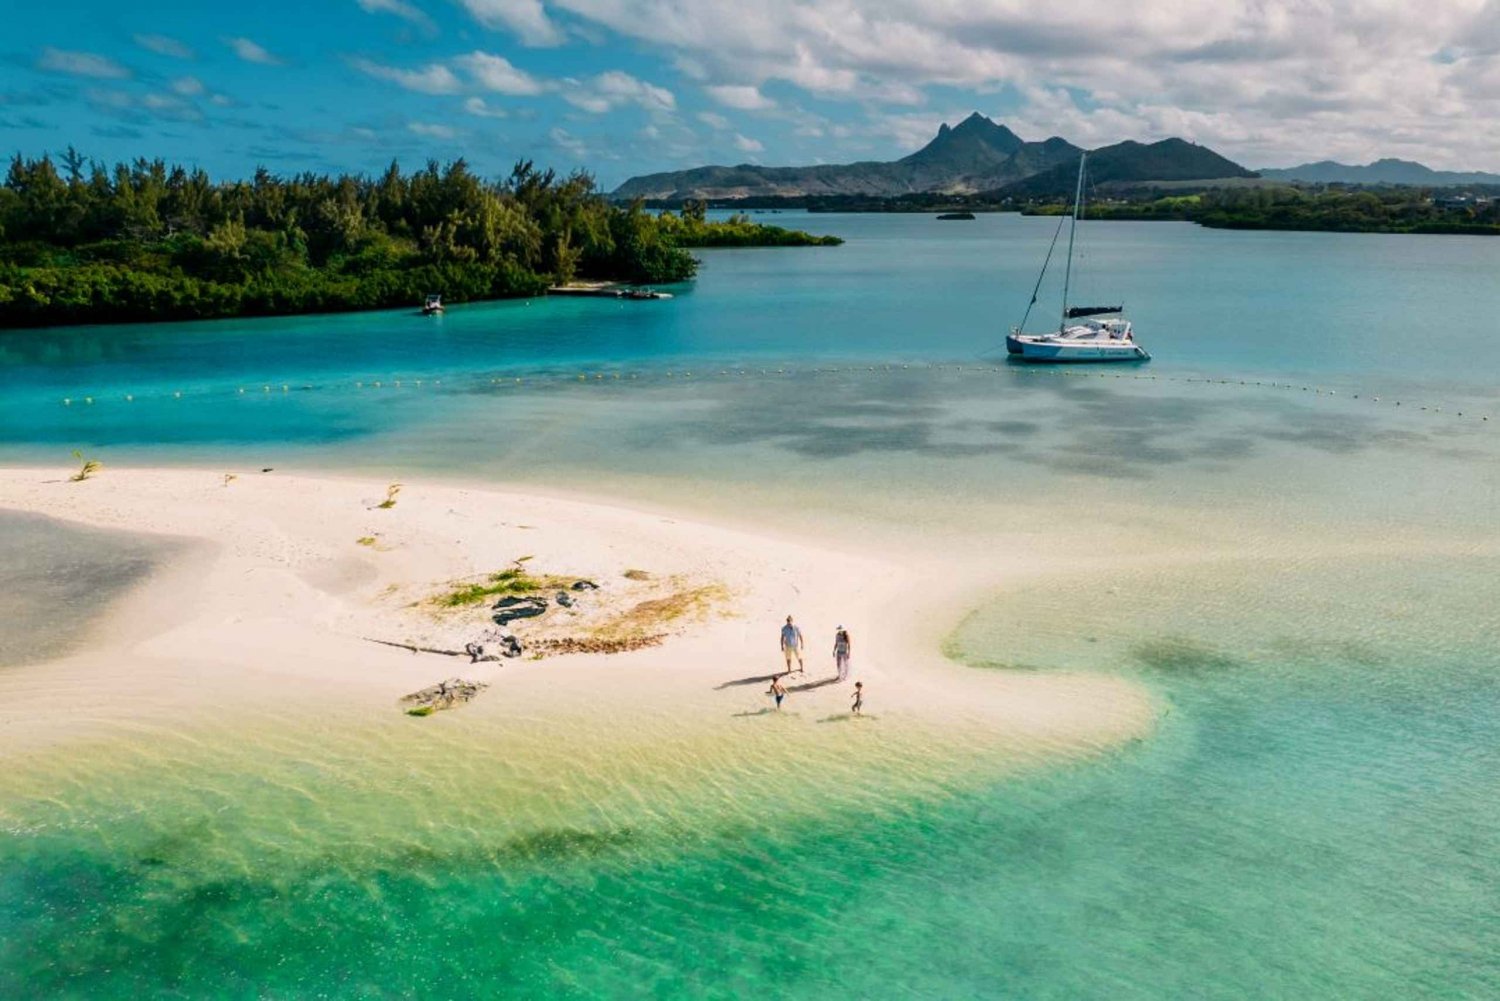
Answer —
1316 814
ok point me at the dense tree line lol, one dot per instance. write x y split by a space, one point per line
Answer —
1360 210
84 243
1343 210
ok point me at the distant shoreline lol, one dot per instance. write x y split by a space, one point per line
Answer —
1283 208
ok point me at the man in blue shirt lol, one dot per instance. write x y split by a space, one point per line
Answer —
791 646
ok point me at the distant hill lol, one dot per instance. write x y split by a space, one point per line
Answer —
1387 171
1130 163
975 155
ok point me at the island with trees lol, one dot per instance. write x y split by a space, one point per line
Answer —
1337 209
84 243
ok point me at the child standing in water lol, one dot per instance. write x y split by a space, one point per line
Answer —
778 690
859 698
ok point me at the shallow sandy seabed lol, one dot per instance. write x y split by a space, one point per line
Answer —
248 656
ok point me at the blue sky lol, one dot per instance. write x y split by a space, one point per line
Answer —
629 86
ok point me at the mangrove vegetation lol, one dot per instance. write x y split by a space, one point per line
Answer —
84 243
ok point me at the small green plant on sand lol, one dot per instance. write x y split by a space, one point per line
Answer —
637 575
419 711
229 478
513 582
89 467
390 496
365 540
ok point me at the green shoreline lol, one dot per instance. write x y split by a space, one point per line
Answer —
151 242
1287 208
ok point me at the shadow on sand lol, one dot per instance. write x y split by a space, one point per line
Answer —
845 717
810 685
746 681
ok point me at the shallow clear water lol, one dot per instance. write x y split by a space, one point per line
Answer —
1304 578
58 581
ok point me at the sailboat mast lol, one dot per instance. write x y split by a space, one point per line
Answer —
1068 271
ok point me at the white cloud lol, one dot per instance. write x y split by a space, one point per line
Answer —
741 96
251 52
713 119
170 107
748 145
431 130
188 86
400 8
116 100
497 74
432 79
477 106
81 64
1258 79
527 19
164 45
615 89
569 143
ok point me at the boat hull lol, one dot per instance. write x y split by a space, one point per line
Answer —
1050 351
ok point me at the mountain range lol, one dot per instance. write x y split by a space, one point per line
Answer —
1387 171
976 155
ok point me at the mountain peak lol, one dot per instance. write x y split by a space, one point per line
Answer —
993 133
975 154
975 141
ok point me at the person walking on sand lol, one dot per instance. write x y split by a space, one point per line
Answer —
791 645
859 699
778 691
841 648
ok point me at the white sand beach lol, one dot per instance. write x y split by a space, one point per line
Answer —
274 609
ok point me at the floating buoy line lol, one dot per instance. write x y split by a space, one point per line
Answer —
541 379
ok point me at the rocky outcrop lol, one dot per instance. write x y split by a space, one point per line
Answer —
494 645
443 695
508 610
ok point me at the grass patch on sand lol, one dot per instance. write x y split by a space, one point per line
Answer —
513 582
636 575
649 618
420 711
365 540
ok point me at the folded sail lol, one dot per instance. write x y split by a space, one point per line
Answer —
1077 312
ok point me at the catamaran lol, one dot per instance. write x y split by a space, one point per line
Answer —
1104 334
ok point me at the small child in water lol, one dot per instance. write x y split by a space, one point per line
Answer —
859 698
778 690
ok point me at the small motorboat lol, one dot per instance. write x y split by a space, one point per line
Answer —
644 293
433 305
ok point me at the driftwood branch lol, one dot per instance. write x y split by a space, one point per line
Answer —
416 649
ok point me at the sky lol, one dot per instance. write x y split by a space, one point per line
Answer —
622 87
